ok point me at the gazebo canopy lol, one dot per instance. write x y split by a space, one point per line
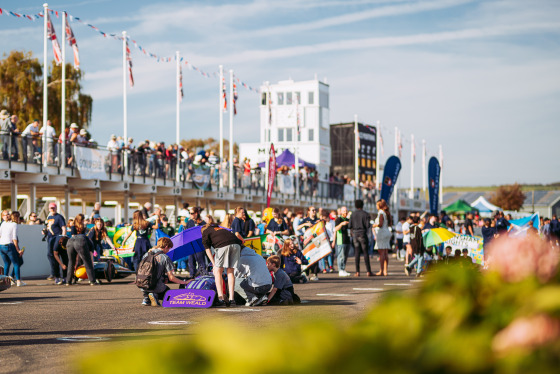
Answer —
287 158
459 206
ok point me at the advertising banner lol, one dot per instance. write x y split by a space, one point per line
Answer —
286 184
271 174
472 243
433 186
92 163
124 249
315 243
390 175
201 177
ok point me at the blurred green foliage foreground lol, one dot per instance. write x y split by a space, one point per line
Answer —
504 320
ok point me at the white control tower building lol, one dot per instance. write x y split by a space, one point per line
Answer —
282 106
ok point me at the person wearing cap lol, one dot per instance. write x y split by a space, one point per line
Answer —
5 131
56 226
29 140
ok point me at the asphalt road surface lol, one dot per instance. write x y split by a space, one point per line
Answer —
40 322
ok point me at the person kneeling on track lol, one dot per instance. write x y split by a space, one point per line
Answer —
252 278
283 291
163 271
80 245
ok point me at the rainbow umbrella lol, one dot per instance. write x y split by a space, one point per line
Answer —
436 236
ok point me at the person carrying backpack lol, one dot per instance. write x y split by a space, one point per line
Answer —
153 270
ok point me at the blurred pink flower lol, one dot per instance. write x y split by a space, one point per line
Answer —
518 258
527 333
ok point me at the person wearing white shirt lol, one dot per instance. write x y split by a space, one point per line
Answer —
406 239
9 248
29 139
399 236
50 133
113 147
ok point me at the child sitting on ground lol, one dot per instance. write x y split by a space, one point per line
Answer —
283 290
291 260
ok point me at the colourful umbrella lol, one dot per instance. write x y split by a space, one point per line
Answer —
436 236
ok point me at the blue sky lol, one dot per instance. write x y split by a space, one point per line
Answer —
480 77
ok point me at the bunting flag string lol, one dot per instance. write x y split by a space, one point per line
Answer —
72 41
51 34
34 17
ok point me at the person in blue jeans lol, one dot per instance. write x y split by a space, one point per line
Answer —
342 241
56 225
9 248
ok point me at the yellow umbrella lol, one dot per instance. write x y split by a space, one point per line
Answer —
436 236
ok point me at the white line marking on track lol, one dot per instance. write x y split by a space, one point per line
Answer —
170 323
239 310
417 280
368 289
83 338
11 303
333 294
397 284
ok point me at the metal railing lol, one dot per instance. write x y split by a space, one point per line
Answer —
146 165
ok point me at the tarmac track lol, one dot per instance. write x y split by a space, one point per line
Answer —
40 322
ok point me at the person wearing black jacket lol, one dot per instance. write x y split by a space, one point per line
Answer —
360 224
418 248
227 249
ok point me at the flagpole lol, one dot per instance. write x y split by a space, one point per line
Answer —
221 111
396 192
267 138
377 158
424 166
45 90
441 175
125 125
62 157
412 151
178 123
356 155
231 130
296 152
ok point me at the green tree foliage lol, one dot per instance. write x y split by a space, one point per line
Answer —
21 91
21 86
509 197
210 144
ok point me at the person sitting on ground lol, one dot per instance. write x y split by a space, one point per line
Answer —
282 292
163 272
277 226
252 278
291 260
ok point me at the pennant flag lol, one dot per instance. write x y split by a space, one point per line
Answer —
224 97
129 60
51 34
413 149
390 175
381 143
434 170
181 82
234 99
72 41
399 143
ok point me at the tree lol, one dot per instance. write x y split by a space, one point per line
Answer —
209 144
508 197
21 91
21 86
